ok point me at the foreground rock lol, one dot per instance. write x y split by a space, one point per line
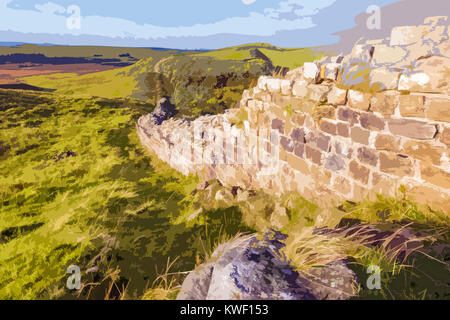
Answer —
250 269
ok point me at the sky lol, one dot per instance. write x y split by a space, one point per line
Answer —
183 24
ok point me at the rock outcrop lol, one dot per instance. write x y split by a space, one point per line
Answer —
251 269
164 110
343 128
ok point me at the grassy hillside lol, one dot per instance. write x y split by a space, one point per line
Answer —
284 57
122 54
206 82
77 188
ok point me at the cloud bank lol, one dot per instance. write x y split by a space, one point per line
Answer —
52 18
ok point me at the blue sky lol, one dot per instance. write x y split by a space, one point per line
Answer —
180 23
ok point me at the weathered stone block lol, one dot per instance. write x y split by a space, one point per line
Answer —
368 156
335 163
328 127
359 173
311 72
273 85
387 142
385 102
286 101
330 71
438 108
299 89
278 124
343 129
314 155
384 54
263 96
361 53
404 35
337 96
286 87
324 111
287 144
412 129
445 136
412 105
318 92
298 135
299 149
348 115
318 140
433 197
343 149
429 75
396 164
298 164
425 151
360 135
371 121
384 79
435 176
355 76
359 100
262 83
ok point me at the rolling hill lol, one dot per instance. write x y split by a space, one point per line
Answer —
198 82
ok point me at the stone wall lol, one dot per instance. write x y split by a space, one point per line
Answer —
372 122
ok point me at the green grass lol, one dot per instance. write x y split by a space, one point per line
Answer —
292 58
111 205
284 57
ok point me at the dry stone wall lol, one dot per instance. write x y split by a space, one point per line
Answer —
372 122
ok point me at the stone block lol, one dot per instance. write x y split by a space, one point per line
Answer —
385 102
359 172
412 105
337 96
360 135
396 164
359 100
413 129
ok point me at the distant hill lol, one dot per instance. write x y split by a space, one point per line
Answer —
198 82
120 55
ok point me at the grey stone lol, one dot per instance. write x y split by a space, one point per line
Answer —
334 163
164 110
249 268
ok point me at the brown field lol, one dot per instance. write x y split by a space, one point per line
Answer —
9 73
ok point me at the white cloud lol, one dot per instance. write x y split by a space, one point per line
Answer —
299 8
248 2
49 18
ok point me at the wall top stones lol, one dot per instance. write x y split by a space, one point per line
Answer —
414 59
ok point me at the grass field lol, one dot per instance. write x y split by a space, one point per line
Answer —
106 198
284 57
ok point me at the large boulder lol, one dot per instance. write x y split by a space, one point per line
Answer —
248 268
164 110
